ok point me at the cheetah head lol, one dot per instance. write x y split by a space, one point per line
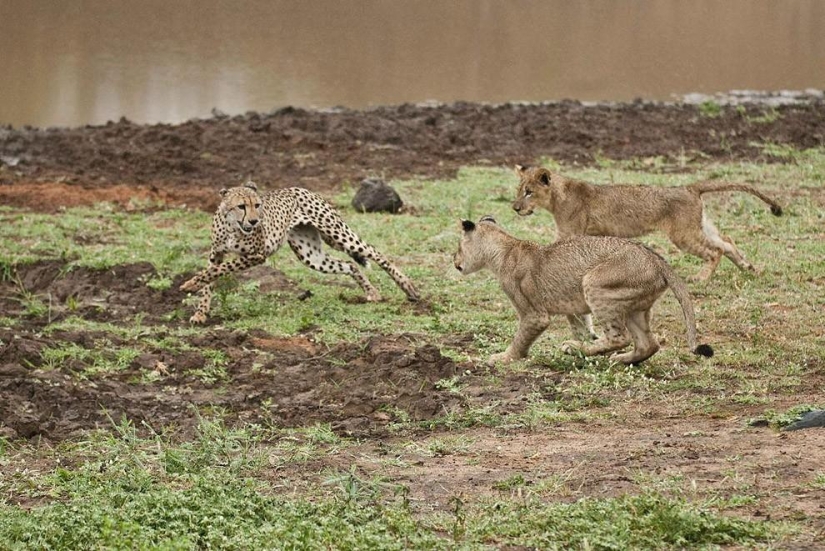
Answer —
240 207
534 189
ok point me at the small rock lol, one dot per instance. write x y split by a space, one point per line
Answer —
375 195
811 419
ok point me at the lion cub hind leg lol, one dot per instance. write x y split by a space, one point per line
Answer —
614 338
582 327
695 242
726 245
305 241
644 343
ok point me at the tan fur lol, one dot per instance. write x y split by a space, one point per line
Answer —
615 279
252 226
580 208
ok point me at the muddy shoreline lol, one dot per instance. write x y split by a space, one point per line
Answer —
322 150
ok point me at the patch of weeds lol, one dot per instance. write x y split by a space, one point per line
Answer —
710 109
352 489
320 433
452 385
159 282
780 151
440 447
104 358
33 305
540 413
486 416
736 501
214 369
646 521
558 484
510 483
767 116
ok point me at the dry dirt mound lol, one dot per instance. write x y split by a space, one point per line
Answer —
187 163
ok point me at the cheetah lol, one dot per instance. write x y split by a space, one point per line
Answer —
253 226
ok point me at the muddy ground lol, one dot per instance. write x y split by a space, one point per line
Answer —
185 164
358 388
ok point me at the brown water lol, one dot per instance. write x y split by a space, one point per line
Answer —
65 63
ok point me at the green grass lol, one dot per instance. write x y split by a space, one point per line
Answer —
219 491
132 492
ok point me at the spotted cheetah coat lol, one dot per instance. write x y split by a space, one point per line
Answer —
251 226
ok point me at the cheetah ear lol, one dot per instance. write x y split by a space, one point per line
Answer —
488 218
520 169
251 185
468 225
223 192
545 178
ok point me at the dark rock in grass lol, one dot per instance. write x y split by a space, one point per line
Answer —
811 419
375 195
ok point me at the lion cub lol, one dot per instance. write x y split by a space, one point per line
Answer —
616 279
580 208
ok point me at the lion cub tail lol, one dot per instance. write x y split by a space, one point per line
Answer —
680 291
711 186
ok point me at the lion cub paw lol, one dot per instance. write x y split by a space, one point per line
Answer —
501 357
571 347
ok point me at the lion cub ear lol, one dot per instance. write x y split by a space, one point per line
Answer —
468 225
520 169
223 192
251 185
545 178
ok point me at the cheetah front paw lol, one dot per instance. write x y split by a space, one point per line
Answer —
198 317
373 296
193 284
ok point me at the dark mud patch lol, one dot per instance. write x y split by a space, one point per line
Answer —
48 291
58 383
187 163
51 290
359 389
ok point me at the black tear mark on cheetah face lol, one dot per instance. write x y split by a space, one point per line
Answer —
241 206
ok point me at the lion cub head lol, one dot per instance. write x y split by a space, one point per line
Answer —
475 246
535 189
240 207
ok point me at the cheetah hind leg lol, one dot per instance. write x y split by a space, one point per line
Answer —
361 251
305 242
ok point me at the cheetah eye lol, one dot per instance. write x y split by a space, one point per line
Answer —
242 206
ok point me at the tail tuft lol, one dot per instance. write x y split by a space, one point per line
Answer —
776 210
704 350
